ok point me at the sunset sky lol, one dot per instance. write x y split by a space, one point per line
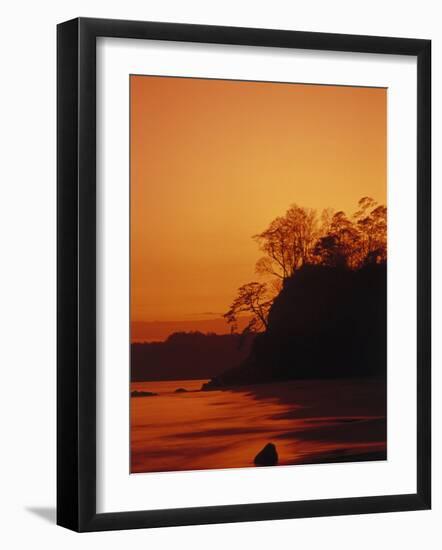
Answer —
213 162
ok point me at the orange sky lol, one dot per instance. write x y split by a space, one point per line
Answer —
214 161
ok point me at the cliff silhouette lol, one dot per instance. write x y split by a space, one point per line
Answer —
188 355
326 322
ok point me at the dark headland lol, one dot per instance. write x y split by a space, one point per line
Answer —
327 322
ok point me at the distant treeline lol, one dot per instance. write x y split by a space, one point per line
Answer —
188 355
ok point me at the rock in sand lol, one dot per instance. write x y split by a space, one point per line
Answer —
137 393
267 456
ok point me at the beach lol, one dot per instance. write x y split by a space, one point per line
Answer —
309 421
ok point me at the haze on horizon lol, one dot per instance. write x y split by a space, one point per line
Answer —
213 162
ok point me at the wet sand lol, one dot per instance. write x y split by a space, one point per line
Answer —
309 421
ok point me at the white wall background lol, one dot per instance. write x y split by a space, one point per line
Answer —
27 274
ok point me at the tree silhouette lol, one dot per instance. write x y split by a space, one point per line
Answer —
371 221
300 238
355 242
288 242
254 298
340 245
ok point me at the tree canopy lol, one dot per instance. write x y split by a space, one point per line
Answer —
302 237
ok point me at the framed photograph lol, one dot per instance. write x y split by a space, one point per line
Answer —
243 274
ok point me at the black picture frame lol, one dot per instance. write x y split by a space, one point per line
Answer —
76 274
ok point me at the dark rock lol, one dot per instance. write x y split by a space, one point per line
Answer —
181 390
137 393
212 385
267 456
